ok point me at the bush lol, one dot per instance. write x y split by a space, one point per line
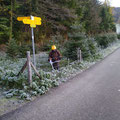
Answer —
87 45
93 47
118 36
23 50
80 41
57 40
12 49
104 40
45 47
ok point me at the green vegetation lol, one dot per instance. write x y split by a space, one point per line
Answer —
87 45
63 22
14 85
12 49
104 40
57 18
69 24
118 36
106 24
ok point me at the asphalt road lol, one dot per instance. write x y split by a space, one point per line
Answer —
92 95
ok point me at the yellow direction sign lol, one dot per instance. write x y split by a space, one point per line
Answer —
37 18
35 22
32 21
21 18
27 21
32 25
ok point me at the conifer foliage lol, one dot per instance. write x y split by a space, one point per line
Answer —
87 45
57 18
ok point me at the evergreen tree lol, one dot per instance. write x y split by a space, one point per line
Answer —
107 23
4 30
12 49
88 14
57 16
78 39
4 21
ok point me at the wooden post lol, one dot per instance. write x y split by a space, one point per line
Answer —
23 68
37 73
29 68
68 61
80 56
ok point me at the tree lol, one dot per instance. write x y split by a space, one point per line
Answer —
78 39
57 16
88 14
4 30
6 12
107 23
4 21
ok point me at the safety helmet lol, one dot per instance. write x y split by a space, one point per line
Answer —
53 47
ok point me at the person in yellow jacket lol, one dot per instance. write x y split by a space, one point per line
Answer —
55 57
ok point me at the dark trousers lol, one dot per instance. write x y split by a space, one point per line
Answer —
56 66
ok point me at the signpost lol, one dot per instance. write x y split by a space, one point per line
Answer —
32 21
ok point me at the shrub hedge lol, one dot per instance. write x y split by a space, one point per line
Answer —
87 45
14 50
104 40
118 36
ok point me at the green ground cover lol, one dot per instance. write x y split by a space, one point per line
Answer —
13 90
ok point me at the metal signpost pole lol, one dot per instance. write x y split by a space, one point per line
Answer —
33 43
32 21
